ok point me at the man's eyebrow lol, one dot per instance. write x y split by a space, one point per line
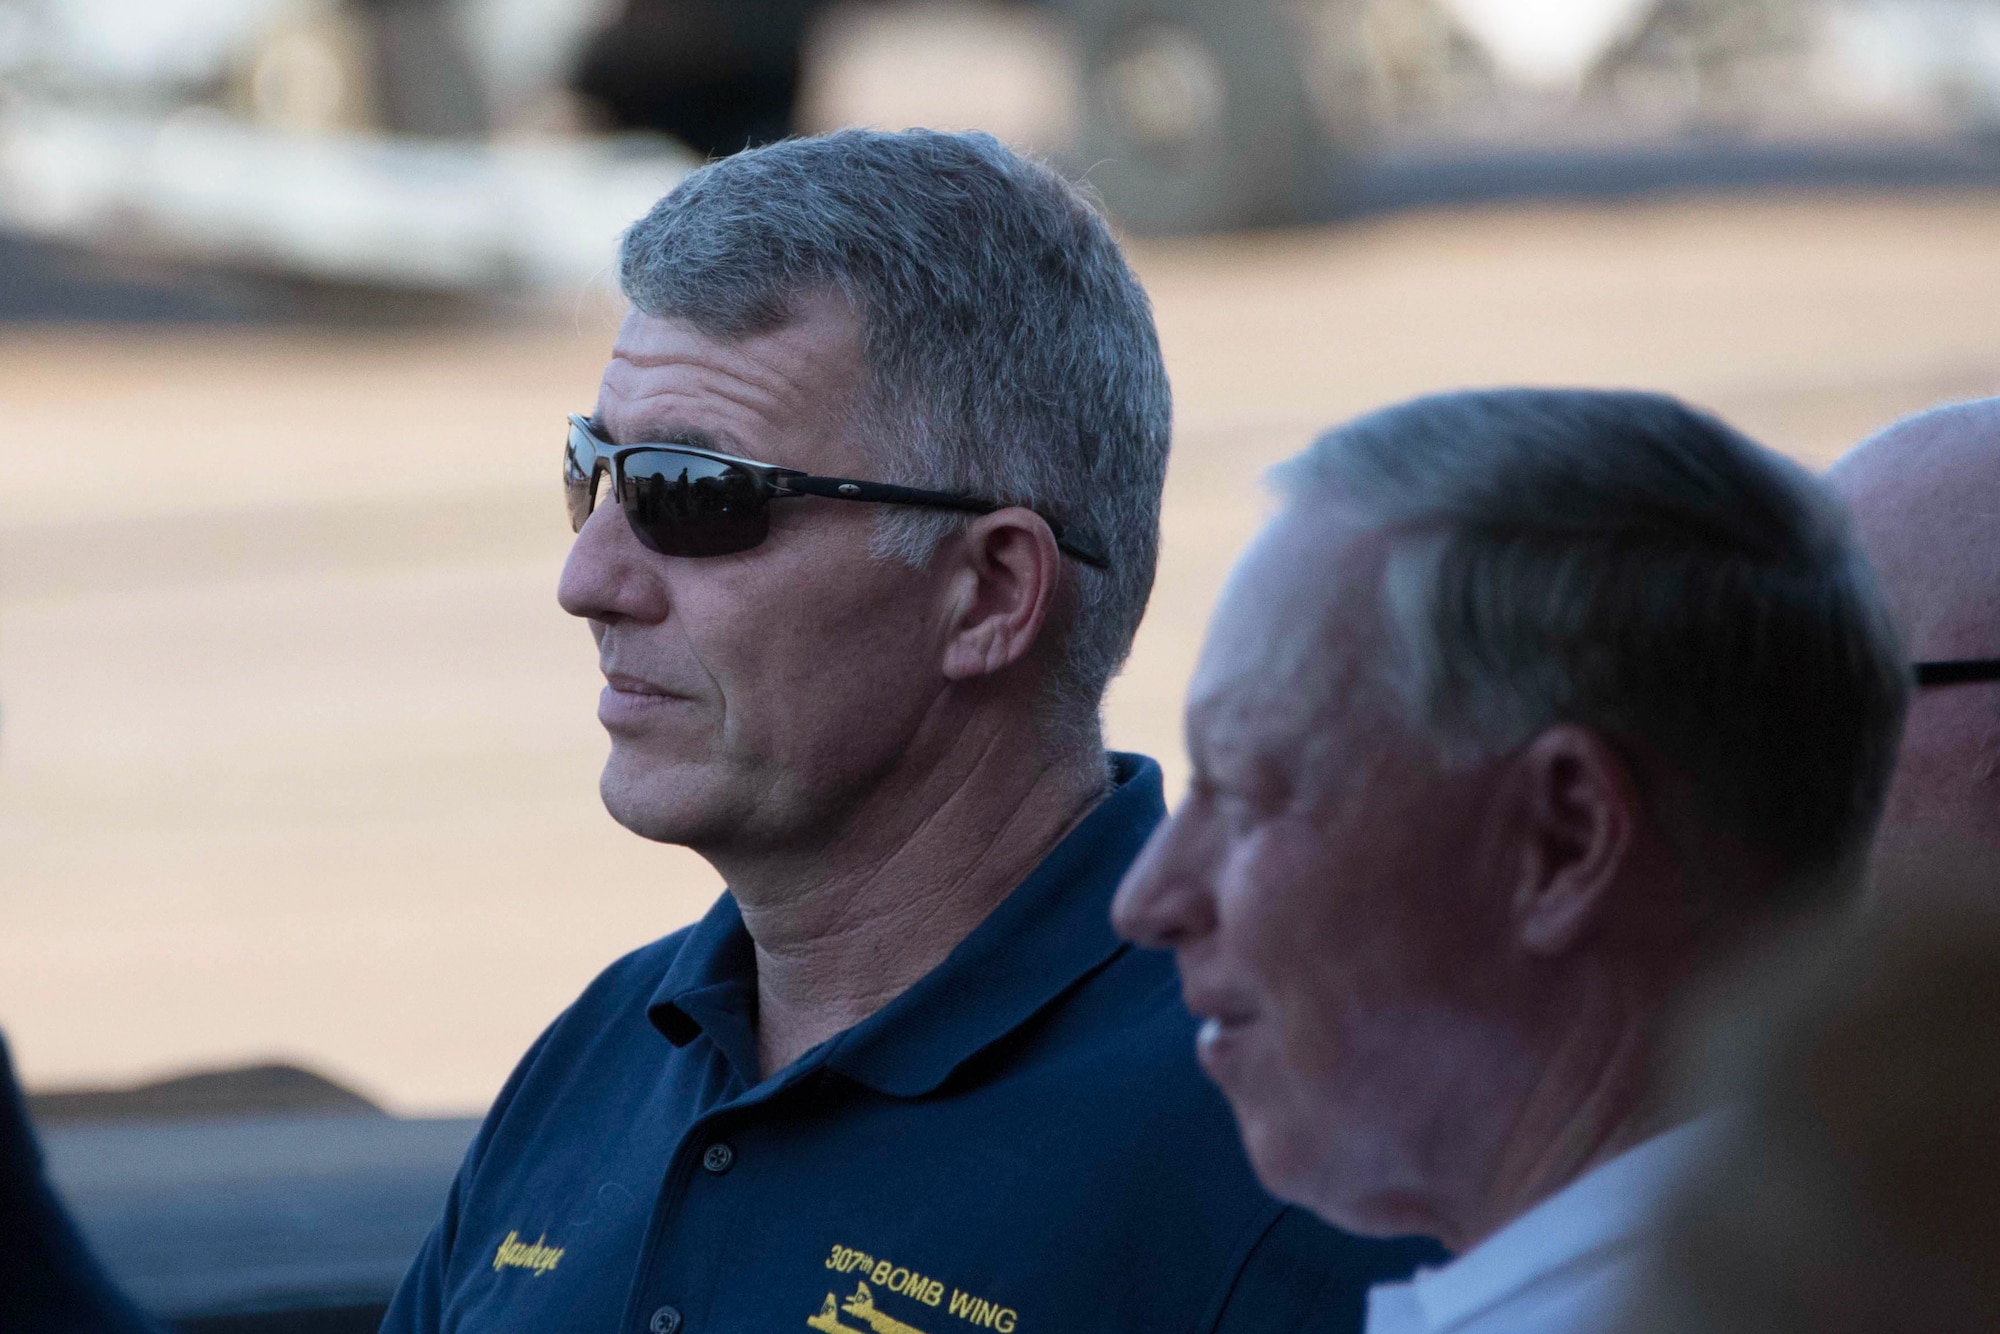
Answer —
686 435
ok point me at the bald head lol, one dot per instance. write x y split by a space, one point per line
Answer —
1926 501
1925 496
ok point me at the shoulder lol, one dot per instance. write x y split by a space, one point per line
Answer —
1111 1063
1134 1001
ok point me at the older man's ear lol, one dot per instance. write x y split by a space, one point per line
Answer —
1578 811
1001 593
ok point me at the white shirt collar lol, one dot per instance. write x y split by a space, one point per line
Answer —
1604 1211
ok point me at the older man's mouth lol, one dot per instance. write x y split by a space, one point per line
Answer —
1224 1021
1219 1046
1217 1003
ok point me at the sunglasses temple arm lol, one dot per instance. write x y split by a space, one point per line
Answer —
1956 673
882 493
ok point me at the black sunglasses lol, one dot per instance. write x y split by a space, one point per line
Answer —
684 501
1959 672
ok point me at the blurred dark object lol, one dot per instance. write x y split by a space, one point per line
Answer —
1198 115
49 1281
45 281
258 1224
1203 117
364 1319
251 1090
719 75
1708 61
425 79
1859 1189
42 281
263 1199
1424 176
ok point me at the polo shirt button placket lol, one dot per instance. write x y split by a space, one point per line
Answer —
719 1158
666 1320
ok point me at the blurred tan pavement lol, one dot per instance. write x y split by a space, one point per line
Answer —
299 754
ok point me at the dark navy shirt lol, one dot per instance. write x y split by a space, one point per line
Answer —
1019 1143
49 1284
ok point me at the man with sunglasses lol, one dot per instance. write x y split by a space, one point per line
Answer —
1925 495
866 517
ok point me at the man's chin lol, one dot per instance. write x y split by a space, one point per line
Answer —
667 804
1307 1166
1292 1160
1274 1153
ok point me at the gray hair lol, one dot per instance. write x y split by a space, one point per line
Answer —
1621 561
1011 350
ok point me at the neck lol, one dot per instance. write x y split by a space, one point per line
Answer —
1592 1102
843 928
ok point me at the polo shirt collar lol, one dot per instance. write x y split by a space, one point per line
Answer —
1049 934
711 987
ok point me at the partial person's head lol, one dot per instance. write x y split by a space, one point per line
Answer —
1857 1185
1525 704
1925 497
926 310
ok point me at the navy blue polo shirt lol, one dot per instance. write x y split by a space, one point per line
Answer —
1020 1143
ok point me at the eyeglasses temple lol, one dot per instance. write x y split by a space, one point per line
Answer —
1957 672
883 493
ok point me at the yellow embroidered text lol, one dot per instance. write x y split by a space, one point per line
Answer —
513 1254
906 1282
883 1274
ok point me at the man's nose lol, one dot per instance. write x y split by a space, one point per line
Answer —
1165 901
609 576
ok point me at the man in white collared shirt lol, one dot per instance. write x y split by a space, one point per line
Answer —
1528 710
1564 1265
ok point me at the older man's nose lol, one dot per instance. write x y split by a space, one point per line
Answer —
1164 902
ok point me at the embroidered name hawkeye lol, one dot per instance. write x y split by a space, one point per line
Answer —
533 1255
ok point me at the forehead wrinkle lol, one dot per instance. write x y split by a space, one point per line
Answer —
1271 689
712 356
1292 659
769 352
715 413
696 377
1303 741
659 419
753 376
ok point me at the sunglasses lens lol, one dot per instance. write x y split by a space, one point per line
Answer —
579 476
686 505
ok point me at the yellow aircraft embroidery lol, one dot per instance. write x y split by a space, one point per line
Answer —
828 1319
862 1305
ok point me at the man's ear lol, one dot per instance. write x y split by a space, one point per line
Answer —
1002 594
1580 813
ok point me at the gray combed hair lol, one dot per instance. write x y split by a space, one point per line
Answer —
1621 561
1011 350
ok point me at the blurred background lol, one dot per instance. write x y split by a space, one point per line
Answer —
299 755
